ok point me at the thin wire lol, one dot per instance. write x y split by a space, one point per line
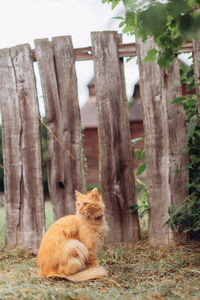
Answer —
51 132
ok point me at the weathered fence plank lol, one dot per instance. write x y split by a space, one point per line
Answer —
164 126
21 149
196 58
116 160
58 77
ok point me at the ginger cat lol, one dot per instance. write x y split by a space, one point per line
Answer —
69 247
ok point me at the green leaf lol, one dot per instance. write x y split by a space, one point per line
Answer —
184 67
191 127
130 18
133 208
142 154
190 103
128 29
187 229
114 3
190 73
190 86
178 209
121 24
164 61
118 18
129 58
172 226
178 100
137 153
182 170
141 169
126 2
151 55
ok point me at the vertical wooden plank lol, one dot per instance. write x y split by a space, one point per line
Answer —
70 113
196 58
58 77
164 126
21 149
116 160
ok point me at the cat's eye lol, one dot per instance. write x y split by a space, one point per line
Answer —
78 203
85 204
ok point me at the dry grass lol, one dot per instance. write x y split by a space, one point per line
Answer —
137 271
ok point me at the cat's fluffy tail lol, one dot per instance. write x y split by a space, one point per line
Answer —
88 274
85 275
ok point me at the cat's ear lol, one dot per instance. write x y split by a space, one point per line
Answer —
95 194
77 194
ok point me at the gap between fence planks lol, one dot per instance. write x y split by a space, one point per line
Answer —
124 50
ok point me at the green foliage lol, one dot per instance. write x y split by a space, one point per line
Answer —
186 217
151 55
139 155
187 76
114 2
178 100
171 23
191 127
142 206
141 169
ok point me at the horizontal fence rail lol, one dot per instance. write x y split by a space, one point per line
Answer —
124 50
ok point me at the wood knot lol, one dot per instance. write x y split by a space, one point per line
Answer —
61 185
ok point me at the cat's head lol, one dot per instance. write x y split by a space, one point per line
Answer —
90 205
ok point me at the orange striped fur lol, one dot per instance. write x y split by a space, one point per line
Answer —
69 247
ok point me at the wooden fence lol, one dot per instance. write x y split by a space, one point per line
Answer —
164 136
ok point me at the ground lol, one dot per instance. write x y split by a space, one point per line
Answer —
136 271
